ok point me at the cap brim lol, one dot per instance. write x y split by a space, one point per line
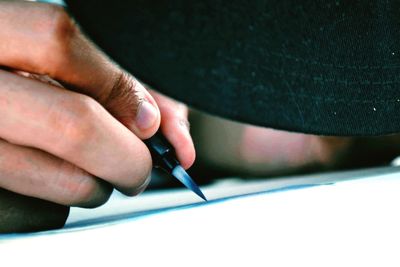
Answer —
307 66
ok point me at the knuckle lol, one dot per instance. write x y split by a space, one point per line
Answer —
58 30
85 105
124 96
62 27
123 84
73 121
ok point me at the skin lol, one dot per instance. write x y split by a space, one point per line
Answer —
237 149
71 126
71 121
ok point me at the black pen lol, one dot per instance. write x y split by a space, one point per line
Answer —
164 157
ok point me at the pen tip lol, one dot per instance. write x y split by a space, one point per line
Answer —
200 194
180 174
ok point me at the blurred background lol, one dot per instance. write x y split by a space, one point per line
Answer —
231 149
226 148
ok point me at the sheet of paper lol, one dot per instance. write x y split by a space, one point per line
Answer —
349 223
120 206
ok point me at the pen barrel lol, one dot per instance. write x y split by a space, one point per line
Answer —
162 152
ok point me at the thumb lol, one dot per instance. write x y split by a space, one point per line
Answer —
131 104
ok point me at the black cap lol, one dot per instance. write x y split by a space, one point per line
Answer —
315 66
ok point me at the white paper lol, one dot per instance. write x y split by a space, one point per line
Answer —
350 223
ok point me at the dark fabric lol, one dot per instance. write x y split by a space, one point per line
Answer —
322 67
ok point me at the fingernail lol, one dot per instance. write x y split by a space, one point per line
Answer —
146 115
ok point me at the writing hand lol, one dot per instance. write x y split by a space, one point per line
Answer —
73 146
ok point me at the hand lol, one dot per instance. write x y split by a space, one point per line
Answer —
73 146
240 149
255 151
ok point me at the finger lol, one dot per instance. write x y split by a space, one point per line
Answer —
175 127
132 105
41 38
34 173
72 127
